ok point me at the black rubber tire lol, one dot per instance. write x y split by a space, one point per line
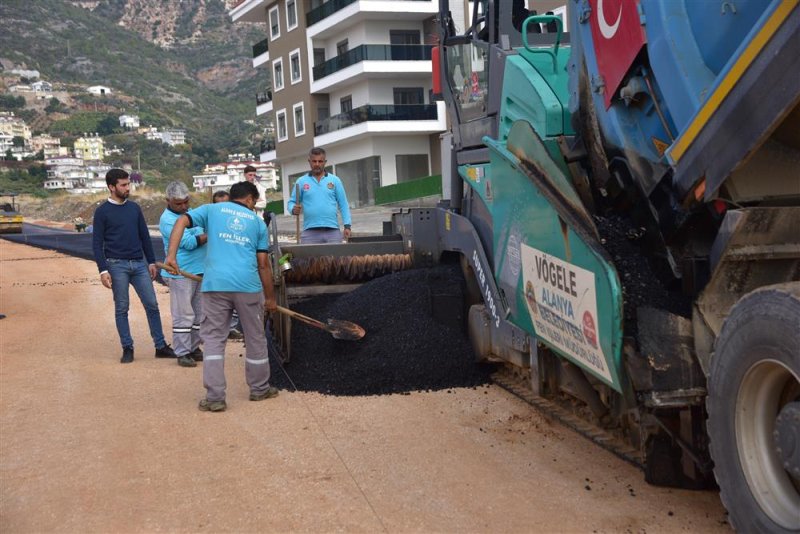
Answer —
757 356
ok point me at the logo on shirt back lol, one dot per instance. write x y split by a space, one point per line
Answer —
236 224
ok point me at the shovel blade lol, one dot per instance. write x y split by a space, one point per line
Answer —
345 330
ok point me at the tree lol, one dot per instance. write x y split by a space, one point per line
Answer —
107 126
9 155
53 106
18 141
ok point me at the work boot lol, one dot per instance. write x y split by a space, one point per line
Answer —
268 394
186 361
165 352
197 355
127 355
212 406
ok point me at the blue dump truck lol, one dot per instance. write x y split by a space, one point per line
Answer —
625 201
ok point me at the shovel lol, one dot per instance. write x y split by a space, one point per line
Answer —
335 327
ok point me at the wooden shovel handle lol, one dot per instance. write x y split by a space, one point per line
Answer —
190 276
304 318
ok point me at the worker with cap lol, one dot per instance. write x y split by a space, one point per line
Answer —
184 294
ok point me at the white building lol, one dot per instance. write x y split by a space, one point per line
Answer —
353 78
72 175
222 176
173 136
42 87
99 90
128 121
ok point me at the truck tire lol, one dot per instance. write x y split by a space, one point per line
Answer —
754 374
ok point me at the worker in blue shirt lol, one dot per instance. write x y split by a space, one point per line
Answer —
236 276
124 255
184 294
321 195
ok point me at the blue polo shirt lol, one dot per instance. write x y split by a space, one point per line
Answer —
320 201
235 235
191 255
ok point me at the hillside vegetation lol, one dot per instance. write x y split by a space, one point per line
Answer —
204 83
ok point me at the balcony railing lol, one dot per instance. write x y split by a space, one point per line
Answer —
326 10
268 145
380 112
263 97
373 53
260 47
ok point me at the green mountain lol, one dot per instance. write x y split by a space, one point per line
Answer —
195 75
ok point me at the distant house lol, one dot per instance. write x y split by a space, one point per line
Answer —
129 121
221 176
99 90
90 148
42 87
173 136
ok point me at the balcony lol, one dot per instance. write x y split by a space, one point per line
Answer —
268 144
260 47
263 97
326 10
373 53
336 16
382 112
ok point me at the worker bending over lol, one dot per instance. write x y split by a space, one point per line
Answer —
237 276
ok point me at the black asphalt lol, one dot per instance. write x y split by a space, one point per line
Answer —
65 241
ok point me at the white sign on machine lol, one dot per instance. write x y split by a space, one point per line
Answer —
562 302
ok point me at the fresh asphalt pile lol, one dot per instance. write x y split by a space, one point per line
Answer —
404 349
641 286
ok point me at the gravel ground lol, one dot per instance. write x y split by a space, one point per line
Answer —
404 349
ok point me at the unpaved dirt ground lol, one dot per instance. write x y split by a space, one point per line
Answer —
90 445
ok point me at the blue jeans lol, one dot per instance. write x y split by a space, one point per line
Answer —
135 273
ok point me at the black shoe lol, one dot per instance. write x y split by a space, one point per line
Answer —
235 335
165 352
127 355
196 355
186 361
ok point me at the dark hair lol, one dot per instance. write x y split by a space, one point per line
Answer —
219 194
317 151
249 168
240 190
115 175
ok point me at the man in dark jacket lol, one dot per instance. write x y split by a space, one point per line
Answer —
124 255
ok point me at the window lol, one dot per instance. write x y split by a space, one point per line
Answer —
295 74
341 47
274 23
291 15
299 120
346 103
319 56
411 167
404 37
277 74
323 112
283 134
408 95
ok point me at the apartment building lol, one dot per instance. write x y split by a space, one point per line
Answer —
221 176
351 76
89 148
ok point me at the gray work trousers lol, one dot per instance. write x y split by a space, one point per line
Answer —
218 307
318 236
185 306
